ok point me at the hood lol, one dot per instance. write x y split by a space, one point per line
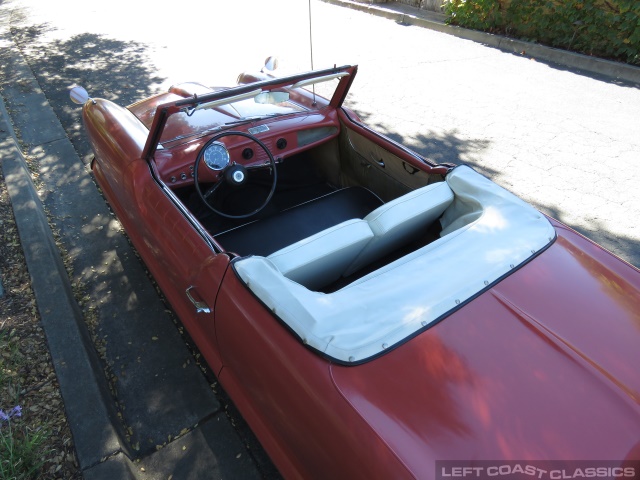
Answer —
543 366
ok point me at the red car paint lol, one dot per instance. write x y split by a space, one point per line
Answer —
542 366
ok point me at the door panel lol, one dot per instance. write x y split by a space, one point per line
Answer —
181 261
386 174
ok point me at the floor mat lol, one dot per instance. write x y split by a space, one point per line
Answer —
270 234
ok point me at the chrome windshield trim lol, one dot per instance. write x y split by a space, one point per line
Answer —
189 216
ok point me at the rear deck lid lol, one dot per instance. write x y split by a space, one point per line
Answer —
543 366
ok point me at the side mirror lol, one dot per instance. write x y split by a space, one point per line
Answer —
270 64
79 95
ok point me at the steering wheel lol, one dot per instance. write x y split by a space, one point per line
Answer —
234 175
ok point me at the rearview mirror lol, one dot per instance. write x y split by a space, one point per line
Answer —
270 64
272 98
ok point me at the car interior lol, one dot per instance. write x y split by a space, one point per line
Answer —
326 221
345 194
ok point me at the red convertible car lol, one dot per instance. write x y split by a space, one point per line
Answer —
369 312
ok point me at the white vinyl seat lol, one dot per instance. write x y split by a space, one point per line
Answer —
401 221
320 259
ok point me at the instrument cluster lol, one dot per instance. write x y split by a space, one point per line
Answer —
216 156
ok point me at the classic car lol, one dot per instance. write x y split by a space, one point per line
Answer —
368 311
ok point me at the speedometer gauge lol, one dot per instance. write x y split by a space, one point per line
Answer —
216 156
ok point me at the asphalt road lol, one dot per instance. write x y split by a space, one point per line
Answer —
567 143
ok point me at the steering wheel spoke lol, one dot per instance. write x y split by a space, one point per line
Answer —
234 175
262 166
212 190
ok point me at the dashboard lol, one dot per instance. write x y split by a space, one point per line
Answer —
284 137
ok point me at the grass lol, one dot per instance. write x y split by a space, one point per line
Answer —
21 455
20 450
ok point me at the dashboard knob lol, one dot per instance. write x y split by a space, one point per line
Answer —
247 153
281 143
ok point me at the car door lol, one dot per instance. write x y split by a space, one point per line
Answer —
181 257
185 262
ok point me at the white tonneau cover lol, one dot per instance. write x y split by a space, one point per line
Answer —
487 232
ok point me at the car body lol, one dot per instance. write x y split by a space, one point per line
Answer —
368 311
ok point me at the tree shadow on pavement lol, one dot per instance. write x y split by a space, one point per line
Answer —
439 147
121 72
107 68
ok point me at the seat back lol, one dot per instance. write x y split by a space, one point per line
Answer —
321 259
401 221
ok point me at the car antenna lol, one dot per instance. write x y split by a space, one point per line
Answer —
313 86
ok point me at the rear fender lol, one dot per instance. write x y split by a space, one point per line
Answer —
116 136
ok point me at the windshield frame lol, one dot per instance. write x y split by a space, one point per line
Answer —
165 110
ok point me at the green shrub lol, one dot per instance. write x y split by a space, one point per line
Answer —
603 28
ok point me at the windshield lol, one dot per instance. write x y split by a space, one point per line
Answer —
254 100
191 122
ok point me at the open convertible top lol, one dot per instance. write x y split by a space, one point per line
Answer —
487 233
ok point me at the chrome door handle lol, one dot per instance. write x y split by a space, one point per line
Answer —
201 307
373 157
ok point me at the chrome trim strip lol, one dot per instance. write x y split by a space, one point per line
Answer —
188 215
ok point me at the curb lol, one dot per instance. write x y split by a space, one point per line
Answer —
615 71
82 389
